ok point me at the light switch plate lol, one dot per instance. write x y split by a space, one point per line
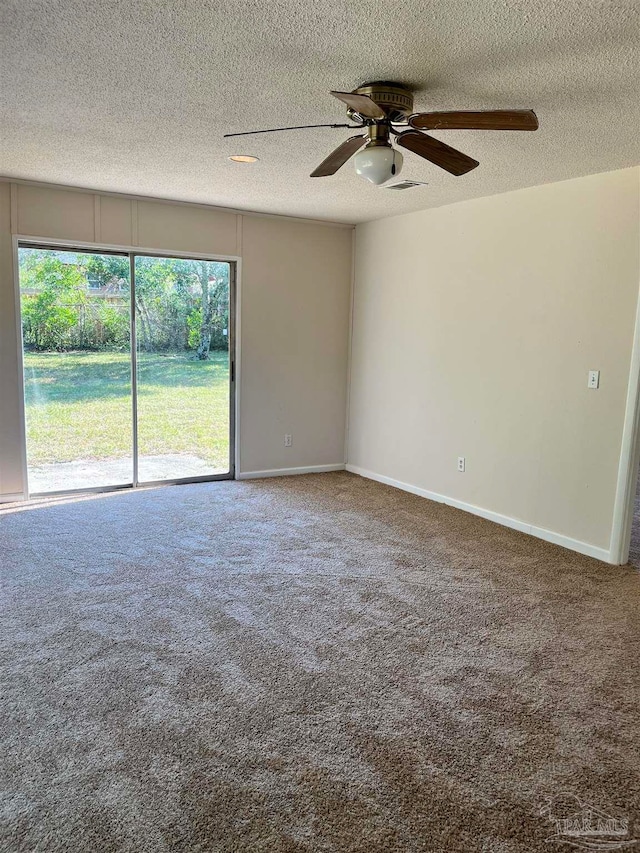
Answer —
594 379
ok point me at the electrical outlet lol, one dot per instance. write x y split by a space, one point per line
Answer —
461 463
594 379
288 440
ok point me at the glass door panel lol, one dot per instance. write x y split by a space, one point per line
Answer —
76 330
182 368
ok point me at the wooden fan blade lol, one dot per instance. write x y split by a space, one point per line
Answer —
362 104
483 120
339 157
436 152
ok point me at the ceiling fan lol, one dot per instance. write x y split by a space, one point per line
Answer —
384 111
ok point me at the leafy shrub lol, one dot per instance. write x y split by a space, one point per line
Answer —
46 324
110 326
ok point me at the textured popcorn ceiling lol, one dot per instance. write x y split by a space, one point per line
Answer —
135 96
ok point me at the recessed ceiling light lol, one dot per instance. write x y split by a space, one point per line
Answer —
243 158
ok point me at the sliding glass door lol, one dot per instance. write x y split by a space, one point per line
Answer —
182 350
128 363
77 368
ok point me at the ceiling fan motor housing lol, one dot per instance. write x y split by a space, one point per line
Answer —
394 98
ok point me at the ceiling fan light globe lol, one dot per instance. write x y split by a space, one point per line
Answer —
378 163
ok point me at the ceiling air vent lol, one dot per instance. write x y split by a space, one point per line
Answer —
406 185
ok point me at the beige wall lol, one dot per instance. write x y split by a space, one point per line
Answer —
294 342
295 291
474 328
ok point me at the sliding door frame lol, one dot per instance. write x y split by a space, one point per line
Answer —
230 474
234 261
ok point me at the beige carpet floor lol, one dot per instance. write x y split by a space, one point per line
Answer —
316 663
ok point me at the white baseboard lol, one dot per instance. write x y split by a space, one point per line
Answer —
287 472
505 520
9 499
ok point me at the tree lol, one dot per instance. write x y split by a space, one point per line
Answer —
79 300
107 269
206 311
182 304
214 312
54 294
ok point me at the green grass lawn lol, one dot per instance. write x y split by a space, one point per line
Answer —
78 406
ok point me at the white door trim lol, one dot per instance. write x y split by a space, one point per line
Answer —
629 459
